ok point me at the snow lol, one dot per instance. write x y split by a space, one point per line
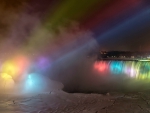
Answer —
57 101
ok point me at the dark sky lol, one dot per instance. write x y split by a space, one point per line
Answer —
116 25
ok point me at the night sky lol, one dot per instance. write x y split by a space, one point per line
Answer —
37 26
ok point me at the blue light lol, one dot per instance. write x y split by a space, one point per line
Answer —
116 67
34 83
30 82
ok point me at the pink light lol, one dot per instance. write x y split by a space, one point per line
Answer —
100 66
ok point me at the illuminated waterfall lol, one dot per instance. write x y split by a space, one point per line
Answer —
132 69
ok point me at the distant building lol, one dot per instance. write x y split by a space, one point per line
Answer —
123 55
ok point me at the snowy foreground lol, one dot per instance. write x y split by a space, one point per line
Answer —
61 102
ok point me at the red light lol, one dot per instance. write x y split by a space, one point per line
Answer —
100 66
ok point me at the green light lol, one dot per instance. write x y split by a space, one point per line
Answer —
144 60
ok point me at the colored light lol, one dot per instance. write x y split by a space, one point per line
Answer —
137 70
30 81
10 68
34 83
116 67
6 81
43 63
5 76
16 67
29 84
143 60
100 66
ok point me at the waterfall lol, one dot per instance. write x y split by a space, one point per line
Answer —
131 69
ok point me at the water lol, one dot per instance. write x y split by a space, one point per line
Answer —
131 69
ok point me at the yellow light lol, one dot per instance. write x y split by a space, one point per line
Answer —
6 81
10 68
16 66
5 76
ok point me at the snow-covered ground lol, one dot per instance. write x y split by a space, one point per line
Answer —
58 101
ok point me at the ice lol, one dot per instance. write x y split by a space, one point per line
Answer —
57 101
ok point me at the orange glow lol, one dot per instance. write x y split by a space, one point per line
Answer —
22 63
15 67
